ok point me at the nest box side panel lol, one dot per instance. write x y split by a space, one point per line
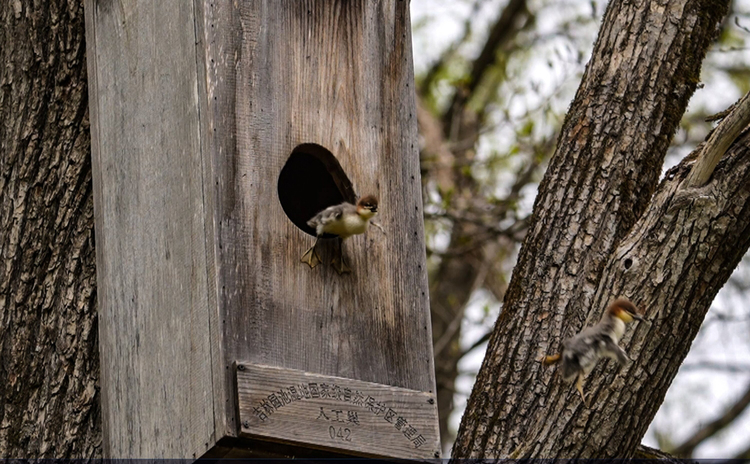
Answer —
157 391
337 74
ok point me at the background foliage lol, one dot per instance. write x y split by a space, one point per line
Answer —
494 80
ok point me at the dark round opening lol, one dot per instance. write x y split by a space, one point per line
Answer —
312 180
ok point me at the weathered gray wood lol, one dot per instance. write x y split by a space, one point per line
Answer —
151 257
338 74
196 108
332 412
221 400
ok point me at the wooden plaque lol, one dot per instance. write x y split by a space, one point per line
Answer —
333 412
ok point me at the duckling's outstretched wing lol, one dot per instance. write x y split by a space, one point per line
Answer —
329 216
613 350
581 352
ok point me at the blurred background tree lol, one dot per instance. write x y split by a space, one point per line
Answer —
494 81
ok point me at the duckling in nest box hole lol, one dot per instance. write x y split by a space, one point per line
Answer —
581 352
342 220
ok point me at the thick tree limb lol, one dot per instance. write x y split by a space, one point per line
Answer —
673 265
721 138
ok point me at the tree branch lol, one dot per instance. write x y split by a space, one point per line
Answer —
645 452
723 367
431 75
721 138
435 147
715 426
504 29
744 454
673 265
477 344
449 333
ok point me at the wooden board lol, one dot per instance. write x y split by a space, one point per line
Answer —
338 74
195 108
153 274
332 412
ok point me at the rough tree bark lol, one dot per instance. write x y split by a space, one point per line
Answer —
597 233
49 362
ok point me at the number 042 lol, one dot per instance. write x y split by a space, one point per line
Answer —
340 433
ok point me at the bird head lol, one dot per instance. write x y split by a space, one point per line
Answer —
367 206
624 310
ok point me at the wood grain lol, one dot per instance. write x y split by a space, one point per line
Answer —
332 412
150 230
195 109
338 74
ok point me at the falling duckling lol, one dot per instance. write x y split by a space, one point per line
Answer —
581 352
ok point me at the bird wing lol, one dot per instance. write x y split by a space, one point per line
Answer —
331 214
613 350
581 352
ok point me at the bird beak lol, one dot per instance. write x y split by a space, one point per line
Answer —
637 316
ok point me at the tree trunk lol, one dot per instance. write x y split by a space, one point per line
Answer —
49 363
579 253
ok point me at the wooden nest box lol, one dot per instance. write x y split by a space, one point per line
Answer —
218 129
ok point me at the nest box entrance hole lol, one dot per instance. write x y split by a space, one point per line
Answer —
312 180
